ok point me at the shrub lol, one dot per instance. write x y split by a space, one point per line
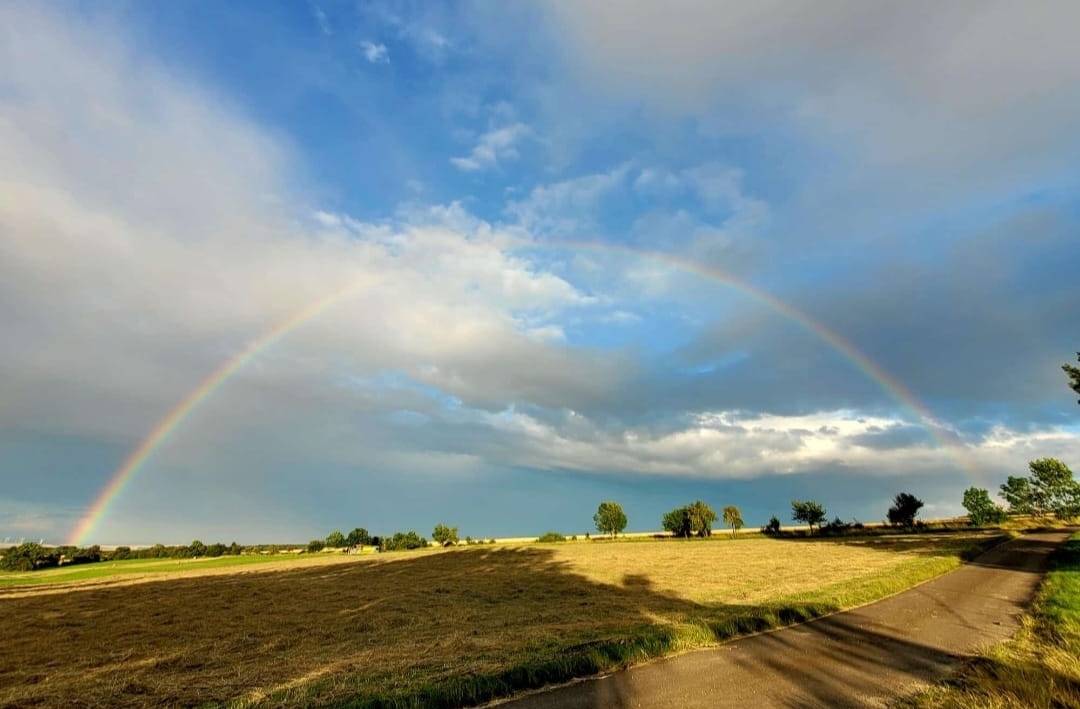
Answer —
403 541
773 527
120 553
315 545
551 537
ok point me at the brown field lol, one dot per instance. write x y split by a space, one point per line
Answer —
398 625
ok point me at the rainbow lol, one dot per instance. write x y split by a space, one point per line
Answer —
135 460
138 457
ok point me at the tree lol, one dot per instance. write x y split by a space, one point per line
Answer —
809 512
1074 375
1054 488
1049 488
905 507
981 510
773 527
359 537
404 540
1018 493
335 540
610 518
197 549
733 518
445 535
315 545
216 549
695 518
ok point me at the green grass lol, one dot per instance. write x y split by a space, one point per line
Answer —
1040 668
106 569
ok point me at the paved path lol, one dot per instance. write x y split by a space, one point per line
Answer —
865 657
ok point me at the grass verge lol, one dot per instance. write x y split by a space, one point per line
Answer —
1040 667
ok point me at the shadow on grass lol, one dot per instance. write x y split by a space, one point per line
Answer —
449 629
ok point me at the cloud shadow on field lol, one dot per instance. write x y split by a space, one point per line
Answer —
451 628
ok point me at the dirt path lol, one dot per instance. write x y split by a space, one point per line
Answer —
865 657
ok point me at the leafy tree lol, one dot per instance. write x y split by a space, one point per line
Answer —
1074 375
733 518
809 512
693 519
216 549
1054 488
445 535
547 537
404 540
1018 493
610 518
29 556
981 510
1049 488
335 540
196 549
234 549
120 553
905 507
358 537
315 545
773 527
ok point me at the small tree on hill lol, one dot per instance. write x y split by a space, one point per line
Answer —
809 512
335 540
445 536
358 537
610 518
197 549
981 510
693 519
905 507
315 545
733 519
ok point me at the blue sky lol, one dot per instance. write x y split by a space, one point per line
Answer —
555 223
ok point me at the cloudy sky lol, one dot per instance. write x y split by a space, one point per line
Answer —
494 263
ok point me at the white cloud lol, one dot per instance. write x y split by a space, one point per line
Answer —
375 53
321 19
495 146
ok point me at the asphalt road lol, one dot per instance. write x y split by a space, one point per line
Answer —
865 657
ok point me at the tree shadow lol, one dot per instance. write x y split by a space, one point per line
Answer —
452 628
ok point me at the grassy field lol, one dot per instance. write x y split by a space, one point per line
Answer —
442 628
1040 668
148 567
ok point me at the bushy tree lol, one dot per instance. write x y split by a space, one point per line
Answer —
315 545
234 549
29 556
547 537
335 540
1049 488
120 553
216 549
981 510
196 549
445 535
733 519
693 519
807 511
773 527
610 518
403 541
359 537
904 509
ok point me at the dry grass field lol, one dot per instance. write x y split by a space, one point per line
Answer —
429 628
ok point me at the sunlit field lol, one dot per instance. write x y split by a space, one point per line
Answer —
439 628
128 570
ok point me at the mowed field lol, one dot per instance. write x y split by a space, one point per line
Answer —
437 628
